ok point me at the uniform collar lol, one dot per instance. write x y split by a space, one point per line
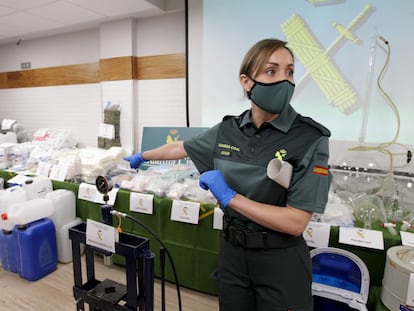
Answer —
283 122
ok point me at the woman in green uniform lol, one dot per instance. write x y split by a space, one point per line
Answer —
264 262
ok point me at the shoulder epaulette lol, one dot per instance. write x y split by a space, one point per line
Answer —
230 117
316 125
239 117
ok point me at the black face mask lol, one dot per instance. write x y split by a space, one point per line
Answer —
272 97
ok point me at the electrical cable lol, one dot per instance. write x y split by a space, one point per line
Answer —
187 109
136 220
387 97
383 146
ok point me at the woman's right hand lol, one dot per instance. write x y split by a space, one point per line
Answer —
135 160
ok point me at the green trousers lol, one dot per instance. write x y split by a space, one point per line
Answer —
264 279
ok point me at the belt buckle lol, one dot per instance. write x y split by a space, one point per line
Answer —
236 237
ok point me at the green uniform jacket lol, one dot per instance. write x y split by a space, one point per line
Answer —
242 152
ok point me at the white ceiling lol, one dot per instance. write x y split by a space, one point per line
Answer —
27 19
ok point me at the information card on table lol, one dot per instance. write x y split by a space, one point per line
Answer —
317 234
407 238
185 211
361 237
141 203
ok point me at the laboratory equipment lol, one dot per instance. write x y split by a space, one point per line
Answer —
368 209
395 283
339 279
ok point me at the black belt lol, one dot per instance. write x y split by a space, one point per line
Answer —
258 239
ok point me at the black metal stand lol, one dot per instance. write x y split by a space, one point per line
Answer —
138 294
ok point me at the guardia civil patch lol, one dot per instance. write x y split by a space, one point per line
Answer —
320 170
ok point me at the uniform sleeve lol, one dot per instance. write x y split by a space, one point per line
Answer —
311 179
200 149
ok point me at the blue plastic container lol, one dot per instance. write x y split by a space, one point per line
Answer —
340 280
36 246
8 256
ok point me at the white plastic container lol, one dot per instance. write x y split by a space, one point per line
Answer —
8 137
64 245
3 158
8 197
28 211
21 154
64 204
12 195
398 267
37 187
8 153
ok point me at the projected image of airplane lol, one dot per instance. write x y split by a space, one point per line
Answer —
316 60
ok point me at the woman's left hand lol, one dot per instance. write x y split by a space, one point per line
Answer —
214 181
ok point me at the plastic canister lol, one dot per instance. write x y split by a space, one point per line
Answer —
8 197
64 205
8 256
398 267
36 248
64 245
37 187
25 212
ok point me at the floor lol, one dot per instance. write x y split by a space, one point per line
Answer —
54 291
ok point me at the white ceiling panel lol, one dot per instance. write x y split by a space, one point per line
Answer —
8 30
116 8
6 11
65 12
27 19
24 4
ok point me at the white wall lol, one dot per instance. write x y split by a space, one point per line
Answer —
160 102
71 48
161 35
118 38
74 107
79 108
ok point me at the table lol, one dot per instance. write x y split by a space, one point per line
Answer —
194 248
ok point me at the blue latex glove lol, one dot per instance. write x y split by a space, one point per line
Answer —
135 160
214 181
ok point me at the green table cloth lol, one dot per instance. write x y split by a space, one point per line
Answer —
194 247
